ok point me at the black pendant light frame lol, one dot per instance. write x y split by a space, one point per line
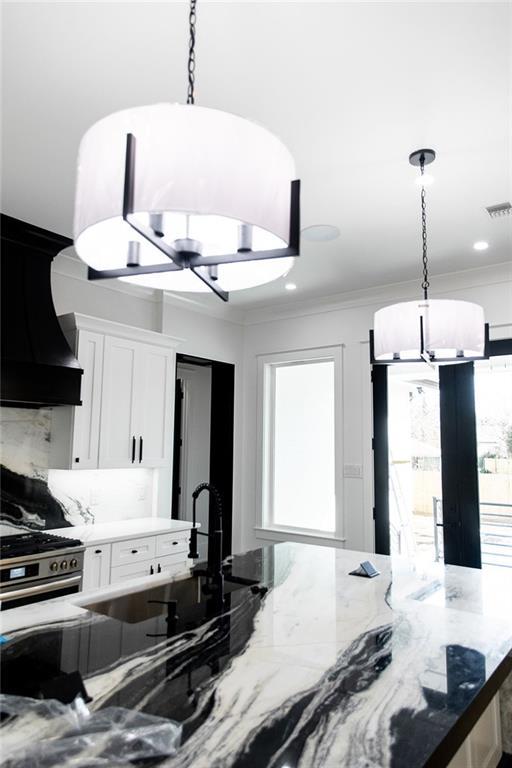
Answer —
205 267
421 158
202 266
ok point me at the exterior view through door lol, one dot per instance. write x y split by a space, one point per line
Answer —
412 412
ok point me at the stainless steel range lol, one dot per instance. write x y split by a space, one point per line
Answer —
38 566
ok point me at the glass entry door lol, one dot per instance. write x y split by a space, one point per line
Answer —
414 435
493 406
443 460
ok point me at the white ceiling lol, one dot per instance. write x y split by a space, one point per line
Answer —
351 88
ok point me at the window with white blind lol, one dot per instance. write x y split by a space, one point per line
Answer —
301 407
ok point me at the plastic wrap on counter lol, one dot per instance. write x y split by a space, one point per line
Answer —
42 733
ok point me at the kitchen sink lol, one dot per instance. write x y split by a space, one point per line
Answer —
184 603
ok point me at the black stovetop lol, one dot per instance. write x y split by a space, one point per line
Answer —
33 544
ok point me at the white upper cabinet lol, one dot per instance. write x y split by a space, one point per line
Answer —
121 368
76 429
155 406
127 411
86 432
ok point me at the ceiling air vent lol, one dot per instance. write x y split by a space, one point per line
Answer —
502 209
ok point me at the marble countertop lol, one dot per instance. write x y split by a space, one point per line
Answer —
324 670
119 530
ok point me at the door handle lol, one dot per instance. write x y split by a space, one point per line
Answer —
151 571
159 569
140 449
133 449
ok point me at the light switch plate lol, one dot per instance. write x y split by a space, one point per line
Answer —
353 470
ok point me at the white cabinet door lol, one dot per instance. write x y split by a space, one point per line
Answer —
171 563
118 428
482 747
86 423
96 567
155 405
76 429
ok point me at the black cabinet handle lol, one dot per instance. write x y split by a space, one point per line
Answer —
151 571
97 551
134 551
174 543
77 460
133 449
159 569
140 450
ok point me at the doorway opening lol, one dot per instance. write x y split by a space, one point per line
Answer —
442 441
203 441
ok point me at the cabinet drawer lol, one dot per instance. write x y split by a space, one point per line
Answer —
177 562
133 551
131 571
172 543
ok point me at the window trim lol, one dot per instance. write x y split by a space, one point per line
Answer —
267 364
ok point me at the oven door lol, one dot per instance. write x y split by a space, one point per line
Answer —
37 591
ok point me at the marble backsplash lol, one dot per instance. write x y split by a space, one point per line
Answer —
34 497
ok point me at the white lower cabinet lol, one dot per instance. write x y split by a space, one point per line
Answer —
96 567
135 570
133 551
482 748
120 561
172 543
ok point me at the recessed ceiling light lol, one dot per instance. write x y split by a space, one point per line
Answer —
318 233
424 181
290 286
481 245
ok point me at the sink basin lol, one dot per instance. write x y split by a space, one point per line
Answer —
185 603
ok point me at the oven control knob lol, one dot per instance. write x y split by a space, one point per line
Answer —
64 565
54 566
73 563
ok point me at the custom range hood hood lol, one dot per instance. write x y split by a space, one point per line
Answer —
37 366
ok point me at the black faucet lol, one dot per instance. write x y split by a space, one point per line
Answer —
214 569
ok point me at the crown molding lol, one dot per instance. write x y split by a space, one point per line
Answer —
216 309
383 294
67 264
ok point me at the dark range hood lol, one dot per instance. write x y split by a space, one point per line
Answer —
37 366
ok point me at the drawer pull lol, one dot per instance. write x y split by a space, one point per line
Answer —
175 542
159 568
98 551
151 571
134 551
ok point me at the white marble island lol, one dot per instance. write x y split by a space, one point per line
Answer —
325 669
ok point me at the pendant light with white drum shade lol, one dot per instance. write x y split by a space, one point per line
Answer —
186 198
433 330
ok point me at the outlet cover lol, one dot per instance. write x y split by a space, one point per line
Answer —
353 470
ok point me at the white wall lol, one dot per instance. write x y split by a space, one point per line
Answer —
346 322
226 335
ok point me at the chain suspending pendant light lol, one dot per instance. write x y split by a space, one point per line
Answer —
185 198
433 330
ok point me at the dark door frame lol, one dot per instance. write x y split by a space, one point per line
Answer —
222 417
458 443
